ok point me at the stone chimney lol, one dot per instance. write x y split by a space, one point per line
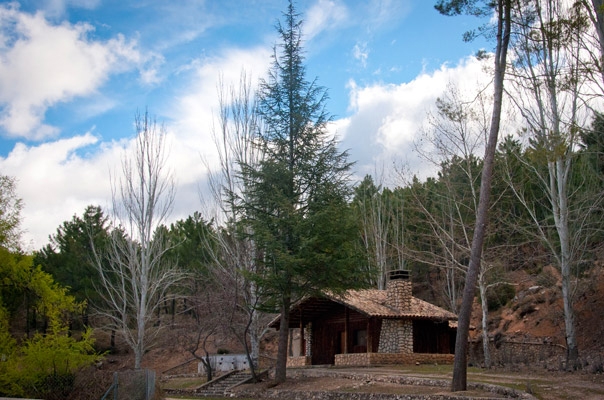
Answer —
399 290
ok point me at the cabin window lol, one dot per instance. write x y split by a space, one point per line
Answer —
360 337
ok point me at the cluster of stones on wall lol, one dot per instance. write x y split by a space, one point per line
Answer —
299 361
308 339
390 358
399 293
519 352
396 336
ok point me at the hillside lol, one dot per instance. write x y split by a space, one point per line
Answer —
535 314
533 317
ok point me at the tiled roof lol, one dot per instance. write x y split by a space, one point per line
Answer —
372 302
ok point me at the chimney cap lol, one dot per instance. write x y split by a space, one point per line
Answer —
399 274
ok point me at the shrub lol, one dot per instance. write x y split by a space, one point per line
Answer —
499 295
45 365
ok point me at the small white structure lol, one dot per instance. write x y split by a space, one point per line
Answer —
225 363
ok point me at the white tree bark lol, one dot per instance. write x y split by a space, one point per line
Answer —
234 138
132 271
382 233
550 92
456 132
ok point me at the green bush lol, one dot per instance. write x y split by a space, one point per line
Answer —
499 295
45 365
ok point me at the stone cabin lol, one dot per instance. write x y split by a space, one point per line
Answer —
371 327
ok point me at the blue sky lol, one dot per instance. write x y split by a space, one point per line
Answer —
73 73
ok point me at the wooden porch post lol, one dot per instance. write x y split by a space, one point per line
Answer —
369 336
346 327
302 339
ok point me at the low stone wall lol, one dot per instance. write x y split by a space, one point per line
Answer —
365 359
304 395
510 352
369 376
298 361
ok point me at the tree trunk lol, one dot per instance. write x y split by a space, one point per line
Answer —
139 347
281 365
460 367
561 211
572 350
27 321
482 285
173 309
208 365
255 339
138 355
248 354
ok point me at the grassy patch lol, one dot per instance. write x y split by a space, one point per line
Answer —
478 375
443 370
183 383
183 397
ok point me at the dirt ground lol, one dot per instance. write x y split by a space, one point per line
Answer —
540 383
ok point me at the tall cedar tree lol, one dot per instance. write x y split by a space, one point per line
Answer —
296 197
502 10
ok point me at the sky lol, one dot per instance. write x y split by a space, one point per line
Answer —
74 73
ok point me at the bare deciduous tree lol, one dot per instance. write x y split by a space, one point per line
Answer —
592 41
550 92
453 140
134 276
211 312
234 259
381 214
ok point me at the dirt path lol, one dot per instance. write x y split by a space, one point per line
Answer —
431 380
421 380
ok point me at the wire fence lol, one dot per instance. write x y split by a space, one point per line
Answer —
138 384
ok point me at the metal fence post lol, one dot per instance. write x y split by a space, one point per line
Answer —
115 385
150 383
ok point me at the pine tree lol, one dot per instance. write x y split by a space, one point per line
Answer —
296 199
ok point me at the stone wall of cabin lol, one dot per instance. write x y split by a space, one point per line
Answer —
298 361
364 359
396 336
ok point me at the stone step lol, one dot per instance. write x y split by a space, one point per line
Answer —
221 386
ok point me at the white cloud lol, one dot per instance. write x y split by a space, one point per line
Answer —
323 15
42 64
55 182
361 53
386 118
379 14
58 179
197 106
57 8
